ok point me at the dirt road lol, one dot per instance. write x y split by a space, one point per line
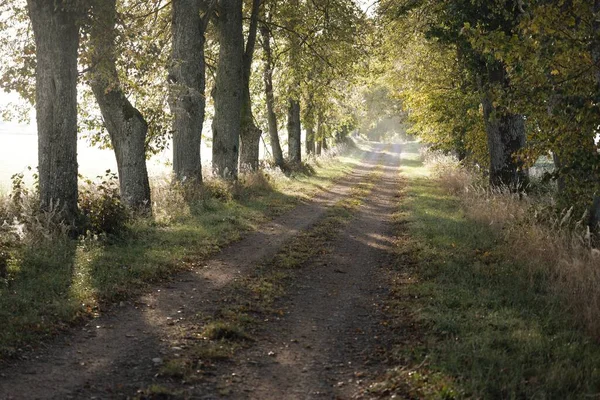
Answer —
325 345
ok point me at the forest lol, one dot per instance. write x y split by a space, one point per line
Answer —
402 199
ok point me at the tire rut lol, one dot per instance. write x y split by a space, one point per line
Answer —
328 344
111 356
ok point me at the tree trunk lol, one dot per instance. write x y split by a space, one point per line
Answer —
293 125
56 42
294 132
125 124
506 136
250 133
309 123
594 221
325 145
228 90
320 134
188 82
560 181
271 116
310 139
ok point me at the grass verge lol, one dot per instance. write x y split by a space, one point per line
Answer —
52 284
469 321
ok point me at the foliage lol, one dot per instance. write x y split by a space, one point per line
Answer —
441 56
101 207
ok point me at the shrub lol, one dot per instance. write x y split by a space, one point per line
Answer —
101 206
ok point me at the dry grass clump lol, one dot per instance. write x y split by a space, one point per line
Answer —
177 201
555 246
453 177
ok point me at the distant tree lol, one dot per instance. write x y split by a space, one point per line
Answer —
294 127
269 65
229 91
250 133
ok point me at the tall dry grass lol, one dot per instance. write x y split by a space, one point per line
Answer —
554 245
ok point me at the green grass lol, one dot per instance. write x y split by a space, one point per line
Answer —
470 323
55 285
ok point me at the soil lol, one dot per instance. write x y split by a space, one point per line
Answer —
328 343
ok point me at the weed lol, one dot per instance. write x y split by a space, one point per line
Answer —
176 368
225 331
101 206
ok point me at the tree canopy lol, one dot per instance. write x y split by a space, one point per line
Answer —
499 83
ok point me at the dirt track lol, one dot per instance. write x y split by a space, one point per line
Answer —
325 346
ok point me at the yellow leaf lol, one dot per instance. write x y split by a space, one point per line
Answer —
555 72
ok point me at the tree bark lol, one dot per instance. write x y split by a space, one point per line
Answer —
293 125
594 221
228 90
294 132
271 116
126 126
250 133
56 34
309 123
506 136
310 139
320 134
188 83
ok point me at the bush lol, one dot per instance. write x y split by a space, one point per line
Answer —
101 206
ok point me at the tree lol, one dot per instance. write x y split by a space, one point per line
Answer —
250 133
187 86
270 98
450 24
125 124
56 31
228 91
293 114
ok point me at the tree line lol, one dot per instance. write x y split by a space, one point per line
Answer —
133 74
501 83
